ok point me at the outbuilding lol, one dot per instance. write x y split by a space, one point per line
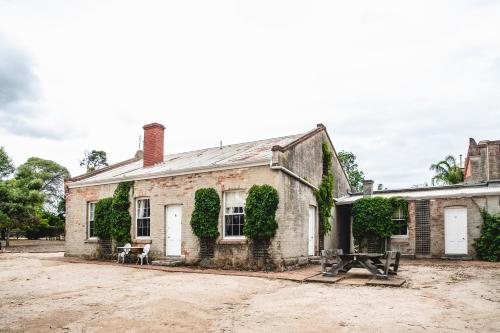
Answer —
164 186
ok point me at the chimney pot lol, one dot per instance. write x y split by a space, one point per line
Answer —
367 188
153 144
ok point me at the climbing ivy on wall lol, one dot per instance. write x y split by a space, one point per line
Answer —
324 194
488 243
372 217
121 218
260 212
205 217
102 218
112 218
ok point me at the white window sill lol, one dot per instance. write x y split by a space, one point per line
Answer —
92 240
236 240
142 240
399 237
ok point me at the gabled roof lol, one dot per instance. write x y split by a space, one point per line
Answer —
226 157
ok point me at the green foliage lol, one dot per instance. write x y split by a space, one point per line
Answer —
111 216
19 203
372 217
260 212
94 160
51 176
355 176
121 218
488 243
205 218
324 195
447 172
103 223
6 165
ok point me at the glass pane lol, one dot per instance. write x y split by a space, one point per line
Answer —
235 198
234 225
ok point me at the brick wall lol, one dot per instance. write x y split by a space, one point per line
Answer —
437 211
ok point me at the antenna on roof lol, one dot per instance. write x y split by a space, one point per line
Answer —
460 160
220 145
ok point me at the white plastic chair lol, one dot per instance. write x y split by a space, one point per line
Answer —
124 253
144 254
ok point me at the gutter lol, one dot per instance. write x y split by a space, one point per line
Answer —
293 175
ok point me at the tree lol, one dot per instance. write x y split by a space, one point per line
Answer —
447 172
20 204
51 175
94 160
355 176
6 165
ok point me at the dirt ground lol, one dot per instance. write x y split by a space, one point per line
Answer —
40 293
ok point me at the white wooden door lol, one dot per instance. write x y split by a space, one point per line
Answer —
312 231
455 230
173 230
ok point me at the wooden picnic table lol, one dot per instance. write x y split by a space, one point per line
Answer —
370 261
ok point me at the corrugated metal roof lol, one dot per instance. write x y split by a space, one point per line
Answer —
247 153
453 191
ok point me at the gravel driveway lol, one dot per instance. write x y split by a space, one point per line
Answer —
40 293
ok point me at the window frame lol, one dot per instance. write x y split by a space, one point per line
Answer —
89 204
401 218
137 217
242 237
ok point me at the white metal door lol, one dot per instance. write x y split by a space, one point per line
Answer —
455 230
173 230
312 230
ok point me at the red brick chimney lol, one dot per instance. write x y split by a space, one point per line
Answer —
153 144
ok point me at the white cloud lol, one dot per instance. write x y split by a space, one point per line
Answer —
401 84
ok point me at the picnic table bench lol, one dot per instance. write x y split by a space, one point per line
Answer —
378 264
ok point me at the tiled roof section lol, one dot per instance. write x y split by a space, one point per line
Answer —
193 161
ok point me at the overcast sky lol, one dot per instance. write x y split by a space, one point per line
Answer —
399 83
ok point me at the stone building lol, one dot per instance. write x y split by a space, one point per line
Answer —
162 197
443 221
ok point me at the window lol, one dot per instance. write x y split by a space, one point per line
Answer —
234 216
402 226
143 217
90 217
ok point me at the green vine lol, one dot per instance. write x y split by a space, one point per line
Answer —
324 194
488 244
373 217
112 218
260 212
103 224
205 218
121 218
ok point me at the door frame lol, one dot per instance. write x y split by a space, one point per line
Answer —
166 229
466 240
314 230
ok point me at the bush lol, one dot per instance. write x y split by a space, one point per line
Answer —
120 216
372 217
488 244
205 217
103 223
260 212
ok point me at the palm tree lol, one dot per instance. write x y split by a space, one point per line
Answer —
447 172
